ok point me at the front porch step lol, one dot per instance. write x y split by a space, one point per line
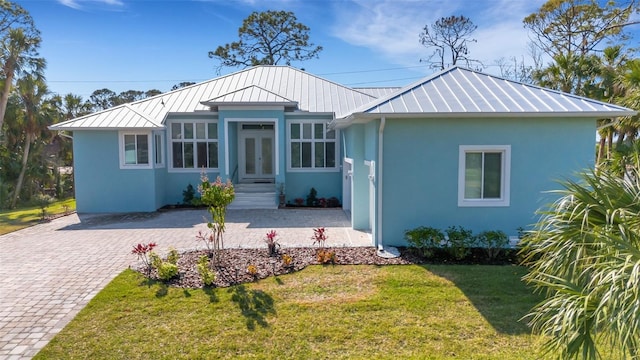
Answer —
254 196
254 188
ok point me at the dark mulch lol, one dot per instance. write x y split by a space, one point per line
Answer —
231 269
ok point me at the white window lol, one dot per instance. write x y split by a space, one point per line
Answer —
484 175
194 145
158 146
311 146
134 150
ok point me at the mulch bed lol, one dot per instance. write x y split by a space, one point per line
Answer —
233 263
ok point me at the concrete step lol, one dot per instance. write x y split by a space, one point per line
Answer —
254 200
254 188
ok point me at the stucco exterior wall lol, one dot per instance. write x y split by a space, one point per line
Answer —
420 184
101 186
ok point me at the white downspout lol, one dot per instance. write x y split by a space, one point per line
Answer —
383 251
379 177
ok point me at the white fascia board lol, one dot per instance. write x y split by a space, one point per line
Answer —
145 128
251 107
363 118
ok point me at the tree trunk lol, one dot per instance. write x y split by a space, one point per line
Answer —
4 97
601 145
621 138
25 158
609 144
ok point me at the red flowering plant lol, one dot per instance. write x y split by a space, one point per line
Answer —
143 251
319 237
272 242
323 255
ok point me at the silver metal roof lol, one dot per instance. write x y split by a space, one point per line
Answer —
311 93
119 117
466 93
377 92
455 92
250 95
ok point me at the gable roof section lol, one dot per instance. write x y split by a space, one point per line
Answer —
253 95
459 92
119 117
311 93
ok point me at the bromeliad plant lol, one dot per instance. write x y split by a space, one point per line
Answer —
272 243
216 196
143 252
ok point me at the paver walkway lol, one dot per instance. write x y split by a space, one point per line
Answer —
49 272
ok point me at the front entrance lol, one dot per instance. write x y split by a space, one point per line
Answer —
256 153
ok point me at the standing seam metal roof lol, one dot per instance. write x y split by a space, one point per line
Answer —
456 91
462 91
309 91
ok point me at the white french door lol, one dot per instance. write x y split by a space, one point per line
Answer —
256 154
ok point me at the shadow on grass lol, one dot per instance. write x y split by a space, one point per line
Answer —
497 292
211 292
254 305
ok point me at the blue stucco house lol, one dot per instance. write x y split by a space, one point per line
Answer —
456 148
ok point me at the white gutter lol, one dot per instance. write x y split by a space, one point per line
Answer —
383 121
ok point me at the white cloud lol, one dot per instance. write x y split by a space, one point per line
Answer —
391 27
79 4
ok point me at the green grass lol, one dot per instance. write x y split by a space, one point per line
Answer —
12 220
361 312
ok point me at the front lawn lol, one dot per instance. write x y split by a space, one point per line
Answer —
12 220
355 311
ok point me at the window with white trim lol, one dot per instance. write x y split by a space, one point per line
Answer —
134 150
194 144
312 145
158 147
484 175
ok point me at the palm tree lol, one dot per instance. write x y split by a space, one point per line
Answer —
584 255
19 55
37 116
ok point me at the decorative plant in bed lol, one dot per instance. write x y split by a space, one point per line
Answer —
236 266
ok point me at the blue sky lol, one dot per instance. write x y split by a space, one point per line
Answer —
146 44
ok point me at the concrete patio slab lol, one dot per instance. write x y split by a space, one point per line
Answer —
49 272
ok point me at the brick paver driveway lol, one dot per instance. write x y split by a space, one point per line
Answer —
49 272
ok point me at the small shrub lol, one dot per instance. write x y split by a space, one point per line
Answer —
299 201
208 276
173 256
424 239
333 202
287 260
493 242
165 269
312 197
325 256
188 194
43 201
459 242
252 270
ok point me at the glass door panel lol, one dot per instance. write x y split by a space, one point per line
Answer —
250 155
